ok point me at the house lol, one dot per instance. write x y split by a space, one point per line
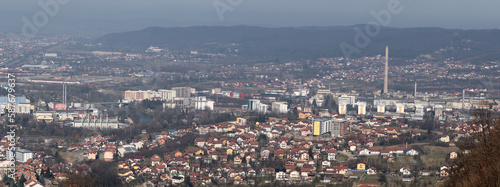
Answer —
304 115
444 138
177 179
264 154
108 155
33 183
229 151
237 160
453 155
61 176
352 146
364 152
342 169
125 173
405 171
200 142
305 156
280 174
371 171
178 154
444 172
331 154
294 175
326 163
91 154
411 152
155 160
361 166
425 173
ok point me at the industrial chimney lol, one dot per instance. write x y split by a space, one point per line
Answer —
386 77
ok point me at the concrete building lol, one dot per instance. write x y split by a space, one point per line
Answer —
321 126
262 108
201 103
362 108
167 95
400 108
438 110
279 107
347 100
22 155
342 109
338 129
136 95
182 91
253 104
24 108
381 108
97 123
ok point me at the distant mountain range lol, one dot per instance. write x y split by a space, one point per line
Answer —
311 42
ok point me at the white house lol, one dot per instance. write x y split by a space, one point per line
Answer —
331 154
411 152
295 175
453 155
405 171
177 179
371 171
326 163
280 175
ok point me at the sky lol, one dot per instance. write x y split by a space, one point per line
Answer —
461 14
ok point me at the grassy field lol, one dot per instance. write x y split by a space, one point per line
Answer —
437 155
341 157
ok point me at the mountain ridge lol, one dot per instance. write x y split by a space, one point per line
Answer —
303 42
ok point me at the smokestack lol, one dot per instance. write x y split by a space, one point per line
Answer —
386 77
415 89
463 99
65 94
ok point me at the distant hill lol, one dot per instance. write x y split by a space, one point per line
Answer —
307 42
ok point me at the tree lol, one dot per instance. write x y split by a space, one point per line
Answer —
47 173
104 173
382 178
244 160
21 181
187 181
480 167
79 179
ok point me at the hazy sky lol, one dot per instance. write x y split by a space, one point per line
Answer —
464 14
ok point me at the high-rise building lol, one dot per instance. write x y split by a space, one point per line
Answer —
279 107
321 126
201 103
342 109
23 155
362 108
253 104
438 110
256 106
182 91
381 108
338 129
400 108
167 95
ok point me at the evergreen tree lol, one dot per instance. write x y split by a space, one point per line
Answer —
21 181
187 181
